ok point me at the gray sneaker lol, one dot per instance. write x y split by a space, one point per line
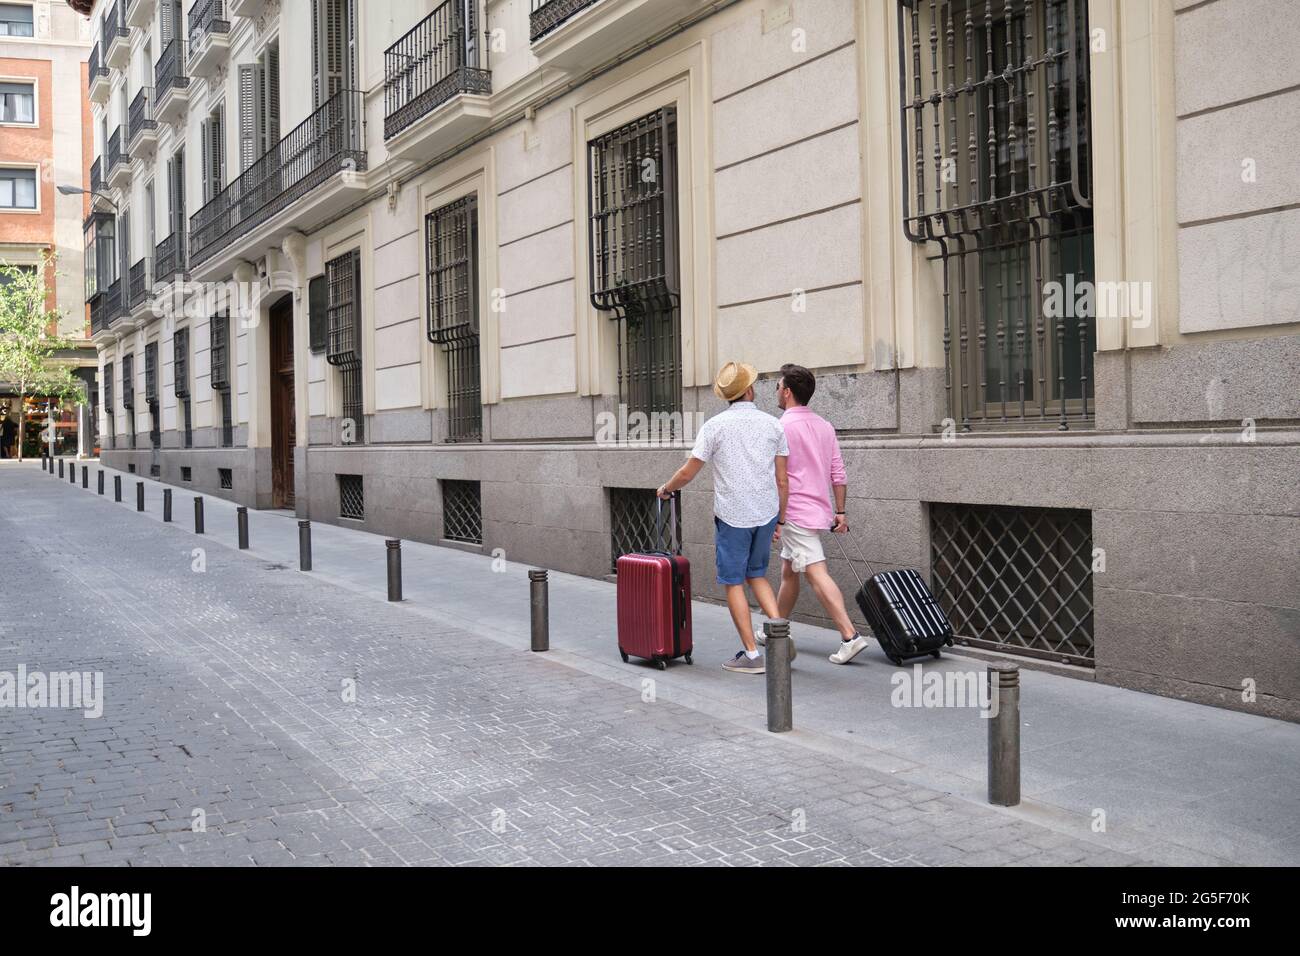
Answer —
761 640
741 664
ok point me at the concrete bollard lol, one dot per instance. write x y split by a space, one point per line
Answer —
99 483
167 504
304 545
139 496
394 547
241 519
1004 734
85 477
117 488
198 515
540 602
780 705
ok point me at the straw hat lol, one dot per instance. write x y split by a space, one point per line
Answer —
734 380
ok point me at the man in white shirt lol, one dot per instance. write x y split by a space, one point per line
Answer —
747 449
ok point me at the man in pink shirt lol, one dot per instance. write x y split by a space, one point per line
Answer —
814 469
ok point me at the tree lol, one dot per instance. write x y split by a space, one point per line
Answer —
29 342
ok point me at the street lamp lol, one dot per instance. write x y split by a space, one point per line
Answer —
78 191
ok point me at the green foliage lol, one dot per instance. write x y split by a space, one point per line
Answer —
29 340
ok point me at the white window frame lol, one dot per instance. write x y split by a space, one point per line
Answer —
36 101
18 211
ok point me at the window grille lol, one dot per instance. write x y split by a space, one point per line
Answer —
632 197
128 395
226 477
462 511
151 394
1016 579
352 497
997 173
110 411
343 349
186 473
451 240
181 382
219 345
632 516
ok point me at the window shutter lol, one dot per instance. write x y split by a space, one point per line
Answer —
248 110
206 160
272 96
221 148
318 318
315 53
165 24
178 193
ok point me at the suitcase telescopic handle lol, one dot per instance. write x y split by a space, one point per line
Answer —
660 513
849 561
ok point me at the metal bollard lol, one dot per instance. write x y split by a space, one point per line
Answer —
139 496
198 515
304 545
167 504
72 473
117 488
540 601
780 707
1004 734
241 518
99 483
60 467
394 546
43 461
85 476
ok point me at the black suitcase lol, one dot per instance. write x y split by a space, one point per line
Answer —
903 615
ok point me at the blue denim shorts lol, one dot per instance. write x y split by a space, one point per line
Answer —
742 553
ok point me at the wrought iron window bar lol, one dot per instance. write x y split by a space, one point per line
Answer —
330 140
116 153
633 249
169 71
997 180
451 242
169 257
226 478
141 283
140 117
1016 579
548 15
343 348
110 412
462 511
181 382
352 497
206 18
220 377
434 61
151 395
632 516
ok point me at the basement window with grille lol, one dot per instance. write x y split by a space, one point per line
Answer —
186 473
451 243
352 497
633 246
226 477
462 511
130 469
219 345
181 383
633 513
1016 579
996 171
343 346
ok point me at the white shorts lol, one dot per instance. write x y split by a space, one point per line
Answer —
800 547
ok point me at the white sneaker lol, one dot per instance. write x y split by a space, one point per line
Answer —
761 640
849 650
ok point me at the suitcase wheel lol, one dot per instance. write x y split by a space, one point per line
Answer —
935 655
896 660
623 654
688 659
662 665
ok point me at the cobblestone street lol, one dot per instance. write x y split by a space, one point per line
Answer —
226 692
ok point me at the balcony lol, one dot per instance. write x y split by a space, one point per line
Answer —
100 86
140 287
436 84
170 260
115 303
309 176
96 176
139 13
142 127
117 168
573 35
246 8
100 319
171 84
209 36
115 38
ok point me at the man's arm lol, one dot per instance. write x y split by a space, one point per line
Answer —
682 477
839 486
782 491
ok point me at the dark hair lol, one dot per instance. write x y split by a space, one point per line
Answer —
800 382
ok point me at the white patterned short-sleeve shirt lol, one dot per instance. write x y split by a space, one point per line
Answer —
742 444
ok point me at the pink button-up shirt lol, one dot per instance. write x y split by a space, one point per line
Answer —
814 465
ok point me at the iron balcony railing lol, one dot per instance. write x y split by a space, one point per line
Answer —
140 117
207 17
115 305
439 58
114 27
169 71
169 257
116 154
100 315
547 15
96 175
330 140
140 283
96 64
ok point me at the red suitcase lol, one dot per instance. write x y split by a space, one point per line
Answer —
654 600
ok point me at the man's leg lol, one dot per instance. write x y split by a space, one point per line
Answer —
738 604
828 592
789 593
